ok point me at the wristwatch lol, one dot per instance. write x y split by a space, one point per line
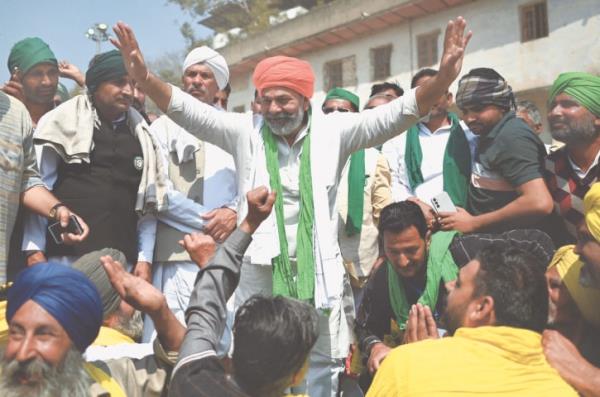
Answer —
54 209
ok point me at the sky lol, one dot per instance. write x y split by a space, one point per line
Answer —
63 23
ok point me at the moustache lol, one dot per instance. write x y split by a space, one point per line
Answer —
32 371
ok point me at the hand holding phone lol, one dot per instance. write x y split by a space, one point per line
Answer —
57 231
442 203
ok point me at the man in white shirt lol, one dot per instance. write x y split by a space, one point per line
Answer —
300 238
203 188
425 176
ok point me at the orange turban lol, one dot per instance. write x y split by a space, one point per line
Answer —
288 72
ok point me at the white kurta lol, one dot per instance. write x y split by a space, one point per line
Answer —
334 137
433 147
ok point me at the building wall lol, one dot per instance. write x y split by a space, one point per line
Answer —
531 67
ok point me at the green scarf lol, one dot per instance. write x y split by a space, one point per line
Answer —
296 283
356 192
457 161
440 266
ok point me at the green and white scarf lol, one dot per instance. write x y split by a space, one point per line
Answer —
457 161
299 282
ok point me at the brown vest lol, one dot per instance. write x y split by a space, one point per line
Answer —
187 178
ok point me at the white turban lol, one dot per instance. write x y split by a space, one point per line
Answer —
213 60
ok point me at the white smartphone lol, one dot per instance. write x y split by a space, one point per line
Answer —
442 203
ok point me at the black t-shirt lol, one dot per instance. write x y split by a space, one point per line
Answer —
205 377
506 158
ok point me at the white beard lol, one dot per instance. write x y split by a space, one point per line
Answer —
69 379
284 126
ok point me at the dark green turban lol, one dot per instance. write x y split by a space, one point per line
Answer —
104 67
340 93
584 87
28 53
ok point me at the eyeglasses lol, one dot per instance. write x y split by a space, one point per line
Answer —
335 109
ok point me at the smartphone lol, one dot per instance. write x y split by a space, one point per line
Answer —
56 230
442 203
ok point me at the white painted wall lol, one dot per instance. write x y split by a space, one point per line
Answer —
573 44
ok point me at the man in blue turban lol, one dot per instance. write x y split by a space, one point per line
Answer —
55 312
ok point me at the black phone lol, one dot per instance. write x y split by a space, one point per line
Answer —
56 230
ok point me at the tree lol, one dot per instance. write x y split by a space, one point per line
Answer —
168 68
250 15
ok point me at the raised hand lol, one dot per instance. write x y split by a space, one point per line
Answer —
455 43
260 204
70 71
132 289
132 55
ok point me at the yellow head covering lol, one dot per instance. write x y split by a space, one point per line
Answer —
591 209
569 267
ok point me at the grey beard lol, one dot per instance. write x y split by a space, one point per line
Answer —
579 132
69 379
131 327
291 125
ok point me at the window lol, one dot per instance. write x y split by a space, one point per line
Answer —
427 49
380 62
239 109
534 21
340 73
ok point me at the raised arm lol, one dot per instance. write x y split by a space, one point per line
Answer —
155 88
455 43
205 316
374 127
145 297
199 119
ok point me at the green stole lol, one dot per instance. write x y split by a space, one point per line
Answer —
299 282
457 161
356 193
440 266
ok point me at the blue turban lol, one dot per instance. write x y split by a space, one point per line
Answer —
67 294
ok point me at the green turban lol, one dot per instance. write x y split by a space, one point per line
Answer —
28 53
340 93
104 67
62 92
584 87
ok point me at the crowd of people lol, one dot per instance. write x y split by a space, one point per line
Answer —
398 249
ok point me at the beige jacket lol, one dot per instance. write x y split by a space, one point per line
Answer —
362 250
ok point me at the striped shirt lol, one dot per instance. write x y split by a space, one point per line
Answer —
18 168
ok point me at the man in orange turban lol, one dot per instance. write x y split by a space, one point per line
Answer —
295 252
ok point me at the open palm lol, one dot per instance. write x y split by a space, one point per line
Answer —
132 55
455 43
